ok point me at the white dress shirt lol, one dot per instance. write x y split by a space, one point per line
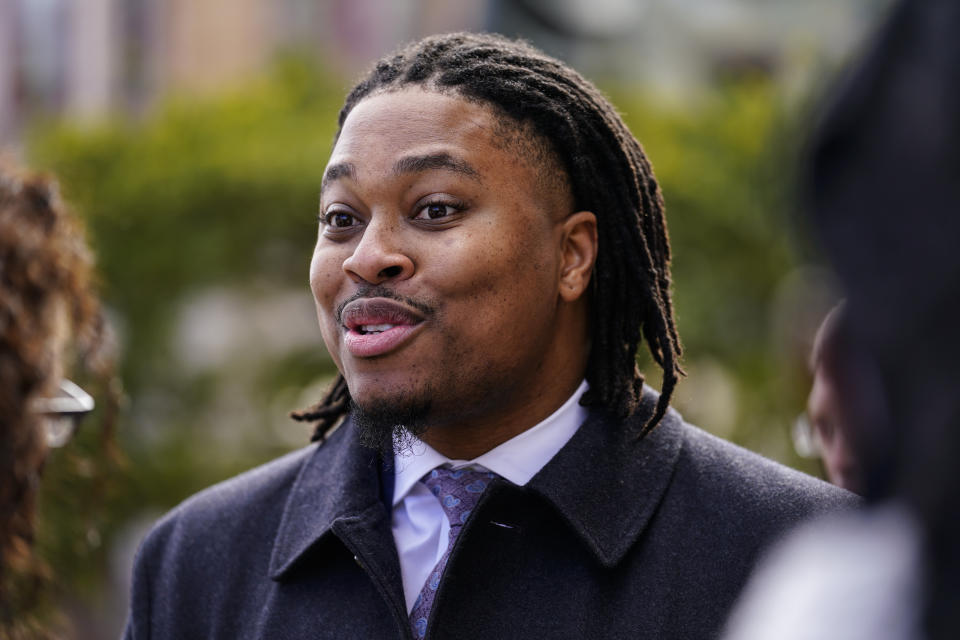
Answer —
420 527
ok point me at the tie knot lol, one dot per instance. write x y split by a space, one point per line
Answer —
458 490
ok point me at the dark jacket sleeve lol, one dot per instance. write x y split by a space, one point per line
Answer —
192 556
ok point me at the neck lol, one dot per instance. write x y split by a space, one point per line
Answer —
509 413
516 405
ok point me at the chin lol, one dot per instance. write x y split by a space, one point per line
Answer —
388 422
371 390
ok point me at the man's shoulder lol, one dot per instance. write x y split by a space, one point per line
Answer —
225 530
240 501
730 476
247 508
247 490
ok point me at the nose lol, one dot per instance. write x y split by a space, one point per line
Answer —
379 256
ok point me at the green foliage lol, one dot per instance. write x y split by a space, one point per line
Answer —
198 193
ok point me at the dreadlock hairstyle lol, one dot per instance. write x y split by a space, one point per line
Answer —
608 174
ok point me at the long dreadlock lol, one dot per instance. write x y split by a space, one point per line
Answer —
608 174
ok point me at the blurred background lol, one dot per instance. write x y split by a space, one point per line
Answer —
191 137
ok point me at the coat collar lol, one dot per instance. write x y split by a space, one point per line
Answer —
605 483
338 482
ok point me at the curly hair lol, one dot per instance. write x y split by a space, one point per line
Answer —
47 301
608 173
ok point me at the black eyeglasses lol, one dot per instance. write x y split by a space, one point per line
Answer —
62 413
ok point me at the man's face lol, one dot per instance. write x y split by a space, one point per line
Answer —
440 264
831 425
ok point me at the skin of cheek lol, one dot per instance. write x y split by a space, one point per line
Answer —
324 270
498 305
497 301
825 404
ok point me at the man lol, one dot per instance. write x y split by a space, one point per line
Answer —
833 398
492 250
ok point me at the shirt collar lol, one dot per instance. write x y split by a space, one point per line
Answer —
606 483
517 460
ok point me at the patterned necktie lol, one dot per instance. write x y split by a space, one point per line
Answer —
458 492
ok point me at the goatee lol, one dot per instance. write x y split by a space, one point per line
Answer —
390 426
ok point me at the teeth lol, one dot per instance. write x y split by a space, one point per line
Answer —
375 328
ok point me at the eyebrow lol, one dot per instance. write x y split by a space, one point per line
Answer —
428 162
408 164
337 171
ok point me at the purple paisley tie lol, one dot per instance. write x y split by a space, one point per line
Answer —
458 492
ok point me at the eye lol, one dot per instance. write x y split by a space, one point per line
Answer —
438 210
339 219
433 211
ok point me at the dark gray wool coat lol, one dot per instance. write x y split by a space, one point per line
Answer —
614 538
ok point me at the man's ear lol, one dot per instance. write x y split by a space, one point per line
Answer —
579 254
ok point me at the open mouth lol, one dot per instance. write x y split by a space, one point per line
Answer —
367 329
378 326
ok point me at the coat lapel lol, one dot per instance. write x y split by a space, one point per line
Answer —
338 486
607 484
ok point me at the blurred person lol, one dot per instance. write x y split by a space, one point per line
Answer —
885 193
828 425
49 316
492 250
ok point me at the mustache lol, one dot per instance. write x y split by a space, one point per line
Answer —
380 291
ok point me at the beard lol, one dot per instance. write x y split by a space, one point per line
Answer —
390 426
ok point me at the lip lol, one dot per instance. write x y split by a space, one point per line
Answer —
403 322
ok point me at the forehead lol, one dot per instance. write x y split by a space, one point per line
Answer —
412 130
414 121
